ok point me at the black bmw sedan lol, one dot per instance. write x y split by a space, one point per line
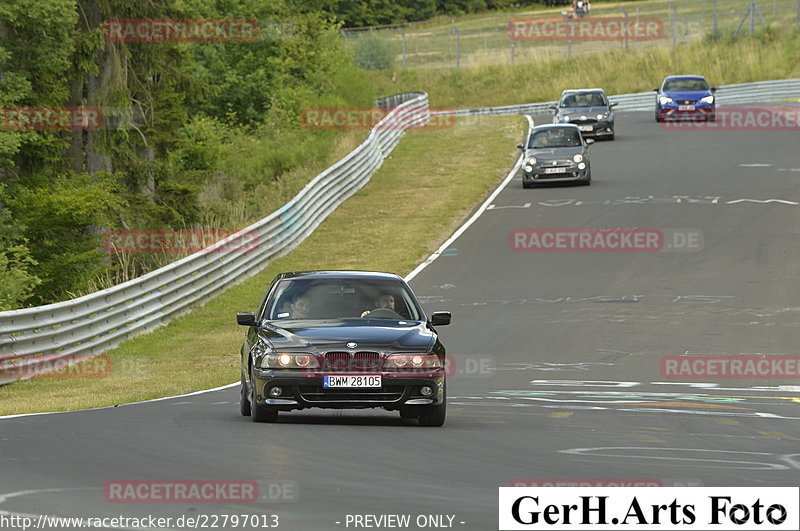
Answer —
342 339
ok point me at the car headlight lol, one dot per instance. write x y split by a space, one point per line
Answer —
528 169
707 99
578 157
663 100
582 166
289 360
532 161
602 116
564 118
407 362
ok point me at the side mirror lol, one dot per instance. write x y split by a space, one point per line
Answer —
520 146
589 141
611 105
440 318
552 107
246 318
656 90
713 89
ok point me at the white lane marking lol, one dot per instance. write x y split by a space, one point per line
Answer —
755 165
123 405
474 217
493 207
763 201
626 453
694 385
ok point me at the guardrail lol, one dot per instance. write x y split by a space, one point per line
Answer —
757 92
36 340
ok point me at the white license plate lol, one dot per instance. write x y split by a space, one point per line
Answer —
585 127
555 170
685 107
331 381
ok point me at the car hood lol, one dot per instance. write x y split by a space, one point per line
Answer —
334 334
686 94
588 111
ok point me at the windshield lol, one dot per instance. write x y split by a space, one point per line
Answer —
336 298
555 138
685 85
586 99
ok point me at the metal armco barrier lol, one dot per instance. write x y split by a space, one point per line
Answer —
757 92
56 335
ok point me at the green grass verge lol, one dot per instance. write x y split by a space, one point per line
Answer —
773 54
412 204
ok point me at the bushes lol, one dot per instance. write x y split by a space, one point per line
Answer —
373 53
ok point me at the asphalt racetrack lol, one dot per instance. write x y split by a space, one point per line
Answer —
557 363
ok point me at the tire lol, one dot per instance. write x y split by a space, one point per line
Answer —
433 416
612 136
659 119
259 413
244 399
526 185
588 179
409 413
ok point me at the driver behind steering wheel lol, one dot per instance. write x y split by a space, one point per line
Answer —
384 302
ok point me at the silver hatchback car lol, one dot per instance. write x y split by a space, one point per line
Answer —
555 154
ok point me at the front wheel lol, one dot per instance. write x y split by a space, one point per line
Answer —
259 413
244 399
433 416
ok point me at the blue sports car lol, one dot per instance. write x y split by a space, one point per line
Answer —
685 97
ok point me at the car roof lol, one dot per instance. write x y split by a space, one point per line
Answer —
371 275
582 91
554 126
688 76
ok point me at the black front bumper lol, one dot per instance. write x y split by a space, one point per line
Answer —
304 390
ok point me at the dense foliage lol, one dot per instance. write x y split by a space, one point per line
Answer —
189 129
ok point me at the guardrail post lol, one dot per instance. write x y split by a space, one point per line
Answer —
716 18
403 35
458 48
674 23
625 29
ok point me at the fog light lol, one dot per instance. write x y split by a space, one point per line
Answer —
425 390
275 391
582 166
